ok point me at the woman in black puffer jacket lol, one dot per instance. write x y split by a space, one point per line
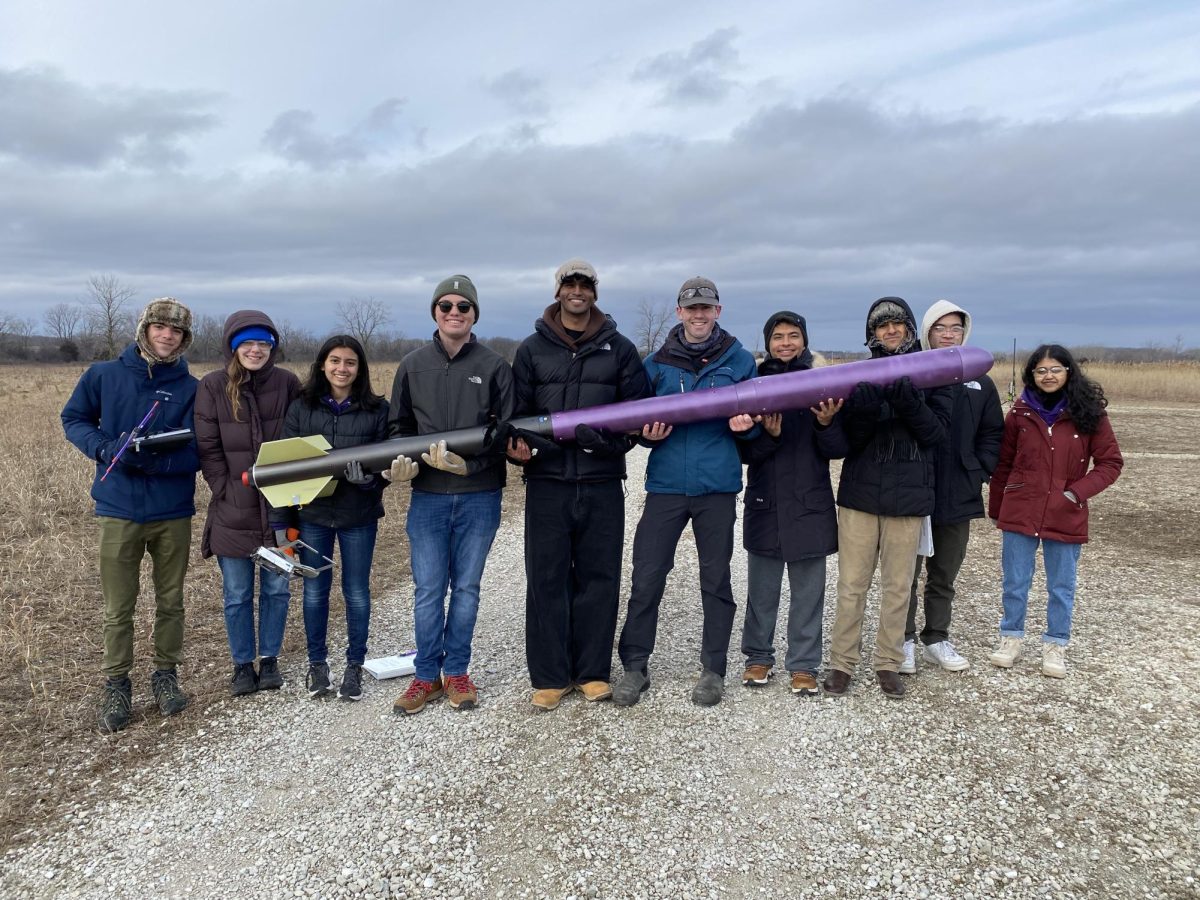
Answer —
336 402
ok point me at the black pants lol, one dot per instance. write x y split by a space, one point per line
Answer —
663 519
574 535
941 569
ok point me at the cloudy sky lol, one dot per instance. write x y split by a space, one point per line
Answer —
1035 162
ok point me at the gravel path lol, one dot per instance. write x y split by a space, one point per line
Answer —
983 784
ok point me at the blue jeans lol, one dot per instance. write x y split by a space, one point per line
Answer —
449 536
357 548
1017 560
237 574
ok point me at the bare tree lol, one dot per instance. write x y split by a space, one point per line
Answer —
108 318
63 320
208 339
653 323
296 344
363 317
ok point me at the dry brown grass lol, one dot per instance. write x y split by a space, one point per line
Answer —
1163 382
51 614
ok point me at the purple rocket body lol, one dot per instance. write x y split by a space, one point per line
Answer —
775 393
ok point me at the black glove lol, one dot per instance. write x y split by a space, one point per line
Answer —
905 399
539 445
355 475
600 442
866 400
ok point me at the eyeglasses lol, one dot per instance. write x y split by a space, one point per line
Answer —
256 345
952 329
1053 370
462 305
708 292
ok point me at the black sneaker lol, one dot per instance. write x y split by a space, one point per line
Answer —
269 678
243 681
318 680
115 704
167 693
351 688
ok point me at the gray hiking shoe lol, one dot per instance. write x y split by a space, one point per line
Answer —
709 689
115 704
630 688
269 676
167 693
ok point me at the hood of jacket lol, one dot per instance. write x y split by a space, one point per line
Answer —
774 366
910 320
942 308
551 322
245 318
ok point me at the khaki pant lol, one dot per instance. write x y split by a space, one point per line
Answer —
863 540
122 545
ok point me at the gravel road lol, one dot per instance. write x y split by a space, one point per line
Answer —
988 783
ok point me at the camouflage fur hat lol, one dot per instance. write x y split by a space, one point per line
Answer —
164 311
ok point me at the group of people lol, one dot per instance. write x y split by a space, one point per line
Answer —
913 465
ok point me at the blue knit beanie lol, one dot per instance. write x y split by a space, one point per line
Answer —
253 333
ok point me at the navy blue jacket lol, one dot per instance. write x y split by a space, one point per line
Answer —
702 457
108 402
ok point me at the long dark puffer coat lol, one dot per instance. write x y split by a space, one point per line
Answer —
790 513
239 520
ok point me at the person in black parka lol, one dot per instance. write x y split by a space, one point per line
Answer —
790 517
884 493
338 403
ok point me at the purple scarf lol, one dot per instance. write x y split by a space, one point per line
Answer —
1034 402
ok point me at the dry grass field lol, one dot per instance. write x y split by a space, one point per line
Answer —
51 608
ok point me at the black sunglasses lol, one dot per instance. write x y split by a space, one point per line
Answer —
708 292
463 306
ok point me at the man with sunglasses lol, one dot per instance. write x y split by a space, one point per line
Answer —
574 501
963 461
452 382
694 474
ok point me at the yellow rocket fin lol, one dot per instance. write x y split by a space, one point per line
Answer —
289 449
299 493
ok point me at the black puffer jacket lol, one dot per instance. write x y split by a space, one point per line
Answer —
554 372
790 513
889 470
239 521
350 505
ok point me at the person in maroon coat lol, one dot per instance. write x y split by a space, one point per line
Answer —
1058 452
238 409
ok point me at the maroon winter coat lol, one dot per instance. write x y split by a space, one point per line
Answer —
1038 463
239 520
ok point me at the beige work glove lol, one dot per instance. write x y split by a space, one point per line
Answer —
403 469
441 458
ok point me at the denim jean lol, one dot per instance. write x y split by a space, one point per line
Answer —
356 547
806 604
449 536
1017 560
237 574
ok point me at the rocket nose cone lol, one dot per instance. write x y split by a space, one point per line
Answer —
976 362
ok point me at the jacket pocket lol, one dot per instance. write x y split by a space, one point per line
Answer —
1013 487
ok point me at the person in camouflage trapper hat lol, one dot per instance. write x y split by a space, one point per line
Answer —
163 311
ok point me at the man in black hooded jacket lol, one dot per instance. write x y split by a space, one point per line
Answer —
574 502
886 490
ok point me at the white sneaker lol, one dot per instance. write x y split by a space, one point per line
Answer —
1054 660
1007 653
944 654
909 666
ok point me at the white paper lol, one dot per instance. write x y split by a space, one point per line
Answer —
385 667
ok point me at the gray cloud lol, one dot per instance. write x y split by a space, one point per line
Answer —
520 92
698 75
1083 230
294 137
47 120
